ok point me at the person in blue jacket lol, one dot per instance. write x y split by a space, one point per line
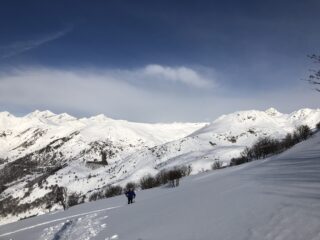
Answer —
130 195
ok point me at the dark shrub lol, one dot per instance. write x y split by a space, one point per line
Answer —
303 132
265 146
131 185
318 126
268 146
163 177
262 148
96 196
247 153
73 199
149 181
216 165
174 177
174 174
232 139
288 141
112 191
238 161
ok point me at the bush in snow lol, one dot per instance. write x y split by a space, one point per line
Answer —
130 185
216 165
185 170
288 141
318 126
264 147
96 196
112 191
174 177
302 133
238 161
73 199
232 139
268 146
149 181
163 177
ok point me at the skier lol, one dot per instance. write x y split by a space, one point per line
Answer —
130 195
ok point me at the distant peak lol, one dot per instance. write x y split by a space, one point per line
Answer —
100 117
6 114
63 116
272 112
40 114
303 112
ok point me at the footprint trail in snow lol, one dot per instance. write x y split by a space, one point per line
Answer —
82 228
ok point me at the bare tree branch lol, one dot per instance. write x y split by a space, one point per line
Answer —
314 77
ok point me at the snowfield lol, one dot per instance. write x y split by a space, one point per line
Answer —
44 150
273 199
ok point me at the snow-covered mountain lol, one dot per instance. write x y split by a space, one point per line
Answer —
43 149
276 198
226 138
21 136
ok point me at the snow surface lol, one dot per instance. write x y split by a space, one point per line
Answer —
273 199
136 149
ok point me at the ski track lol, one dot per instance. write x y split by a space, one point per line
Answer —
61 224
82 228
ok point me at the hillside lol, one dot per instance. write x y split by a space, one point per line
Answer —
42 150
277 198
226 137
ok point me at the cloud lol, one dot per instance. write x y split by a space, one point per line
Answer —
177 74
21 47
85 92
88 92
165 77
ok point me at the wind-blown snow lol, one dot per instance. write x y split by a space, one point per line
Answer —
277 198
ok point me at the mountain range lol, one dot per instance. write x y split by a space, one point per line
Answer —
43 149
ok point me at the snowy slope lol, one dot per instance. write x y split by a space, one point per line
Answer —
269 199
226 137
32 149
43 149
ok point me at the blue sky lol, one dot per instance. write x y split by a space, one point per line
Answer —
157 60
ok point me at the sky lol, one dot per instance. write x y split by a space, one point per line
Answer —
157 61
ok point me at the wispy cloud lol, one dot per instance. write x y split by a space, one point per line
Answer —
24 46
119 93
161 76
177 74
